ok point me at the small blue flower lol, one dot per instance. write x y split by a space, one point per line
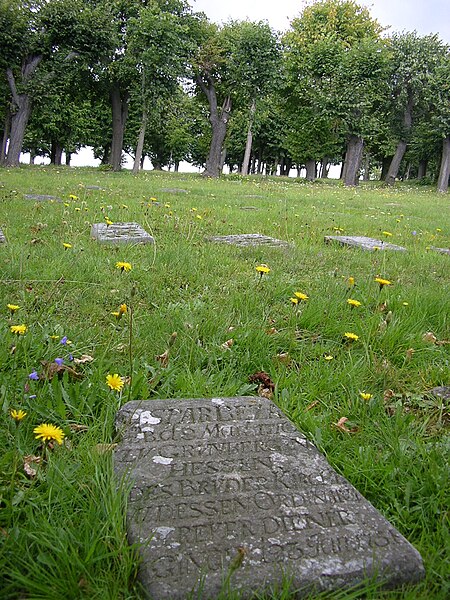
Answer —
63 340
59 361
32 397
33 375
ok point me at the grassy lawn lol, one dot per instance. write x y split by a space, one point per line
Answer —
62 524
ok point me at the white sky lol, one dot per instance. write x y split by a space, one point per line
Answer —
424 16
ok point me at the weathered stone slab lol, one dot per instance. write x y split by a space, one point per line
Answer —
247 239
2 237
121 233
41 197
360 241
94 187
174 191
249 208
442 391
229 486
440 250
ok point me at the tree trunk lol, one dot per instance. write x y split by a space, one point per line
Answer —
68 158
444 173
119 105
325 167
310 170
5 137
401 146
353 158
176 166
55 153
140 142
32 157
422 169
248 145
395 163
218 120
20 111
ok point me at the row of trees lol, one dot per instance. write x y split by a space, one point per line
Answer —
154 78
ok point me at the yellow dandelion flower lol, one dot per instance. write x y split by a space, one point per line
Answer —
17 415
66 204
353 302
262 269
387 233
365 395
351 337
18 329
108 221
301 296
294 301
13 307
405 303
382 282
54 337
116 314
123 266
167 205
47 433
114 382
153 200
328 357
73 197
67 245
199 217
124 206
78 209
351 281
123 309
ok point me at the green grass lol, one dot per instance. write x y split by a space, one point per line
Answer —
63 531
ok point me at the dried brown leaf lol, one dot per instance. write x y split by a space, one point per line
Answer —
262 377
342 427
77 427
409 353
50 369
265 392
227 345
84 358
388 394
429 337
163 358
28 461
272 331
284 358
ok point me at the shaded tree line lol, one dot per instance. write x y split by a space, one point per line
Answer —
154 78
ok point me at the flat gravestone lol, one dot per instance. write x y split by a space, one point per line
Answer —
366 243
94 187
41 197
440 250
247 239
249 208
121 233
174 191
229 487
2 237
442 391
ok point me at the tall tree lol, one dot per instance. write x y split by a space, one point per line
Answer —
334 62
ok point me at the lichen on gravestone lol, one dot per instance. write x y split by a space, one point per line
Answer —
363 242
248 239
229 487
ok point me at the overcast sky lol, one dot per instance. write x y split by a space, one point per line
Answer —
424 16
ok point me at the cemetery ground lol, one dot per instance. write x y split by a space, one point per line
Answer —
86 326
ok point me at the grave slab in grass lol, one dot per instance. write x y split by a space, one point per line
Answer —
247 239
440 250
2 237
41 197
228 487
174 191
366 243
121 233
443 391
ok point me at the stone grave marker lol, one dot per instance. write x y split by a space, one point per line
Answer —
121 233
94 187
229 486
440 250
41 197
2 237
174 191
442 391
366 243
249 208
247 239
